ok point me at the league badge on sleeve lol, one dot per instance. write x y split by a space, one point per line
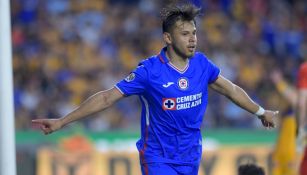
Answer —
130 77
183 83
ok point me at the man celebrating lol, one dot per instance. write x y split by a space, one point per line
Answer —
173 89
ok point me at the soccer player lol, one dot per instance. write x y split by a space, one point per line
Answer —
250 169
301 111
284 156
173 89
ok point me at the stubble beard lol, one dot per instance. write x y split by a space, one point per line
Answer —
183 55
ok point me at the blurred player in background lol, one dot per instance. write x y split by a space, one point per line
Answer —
173 89
301 112
284 156
250 169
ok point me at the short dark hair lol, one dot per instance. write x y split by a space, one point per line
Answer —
250 169
175 12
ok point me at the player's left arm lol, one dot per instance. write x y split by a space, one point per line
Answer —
237 95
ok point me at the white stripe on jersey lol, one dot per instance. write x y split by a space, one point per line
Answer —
146 109
119 89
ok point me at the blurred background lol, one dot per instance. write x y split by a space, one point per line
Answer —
66 50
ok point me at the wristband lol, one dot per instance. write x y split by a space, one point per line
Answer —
260 111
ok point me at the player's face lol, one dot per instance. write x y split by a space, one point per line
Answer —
183 38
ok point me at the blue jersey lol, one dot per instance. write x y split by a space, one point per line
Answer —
173 105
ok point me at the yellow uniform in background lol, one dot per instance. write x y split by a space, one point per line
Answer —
284 156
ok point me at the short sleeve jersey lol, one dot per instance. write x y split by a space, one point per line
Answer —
302 76
173 105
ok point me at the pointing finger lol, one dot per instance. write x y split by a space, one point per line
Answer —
37 121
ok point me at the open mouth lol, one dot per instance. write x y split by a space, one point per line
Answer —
191 47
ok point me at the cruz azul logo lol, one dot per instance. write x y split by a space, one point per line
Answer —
180 103
183 83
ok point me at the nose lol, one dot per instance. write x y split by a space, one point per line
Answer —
192 39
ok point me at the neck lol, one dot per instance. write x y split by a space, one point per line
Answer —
176 59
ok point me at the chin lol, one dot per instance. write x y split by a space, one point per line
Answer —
191 54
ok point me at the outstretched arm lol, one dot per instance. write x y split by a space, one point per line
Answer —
93 104
240 97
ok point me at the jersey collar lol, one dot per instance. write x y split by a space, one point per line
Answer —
162 56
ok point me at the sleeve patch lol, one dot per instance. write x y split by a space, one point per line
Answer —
130 77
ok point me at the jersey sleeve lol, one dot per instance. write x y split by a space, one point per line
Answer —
213 71
302 77
134 83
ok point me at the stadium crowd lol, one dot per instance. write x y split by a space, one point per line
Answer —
65 50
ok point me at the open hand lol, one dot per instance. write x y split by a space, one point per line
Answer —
268 118
47 125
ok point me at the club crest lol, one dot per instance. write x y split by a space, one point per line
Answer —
183 83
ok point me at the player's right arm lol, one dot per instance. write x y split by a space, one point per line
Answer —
93 104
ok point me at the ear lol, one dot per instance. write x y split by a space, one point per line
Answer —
167 38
